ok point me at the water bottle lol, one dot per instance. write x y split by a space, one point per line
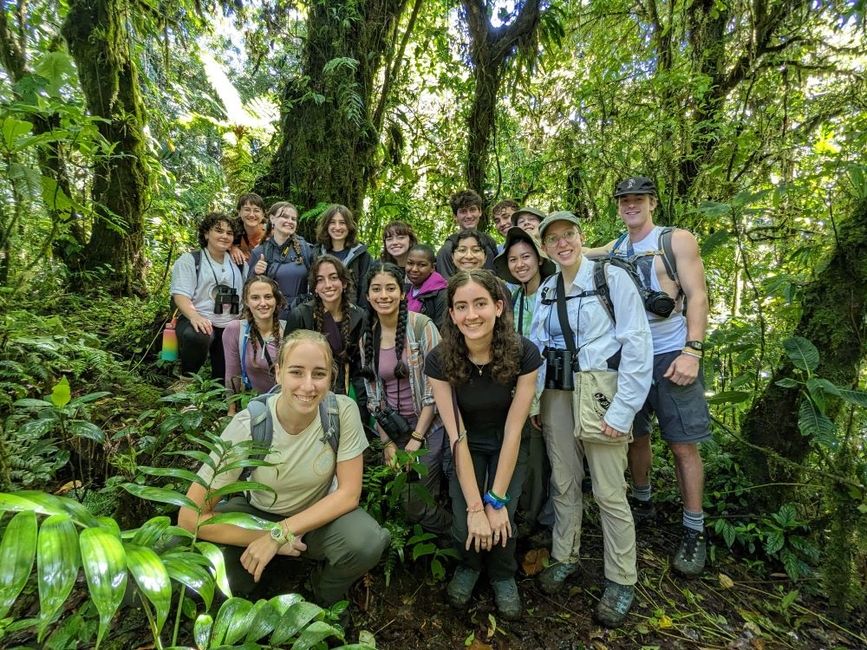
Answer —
170 342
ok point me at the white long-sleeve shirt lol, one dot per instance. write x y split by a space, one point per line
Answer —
598 338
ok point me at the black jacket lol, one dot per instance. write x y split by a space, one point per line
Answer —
357 262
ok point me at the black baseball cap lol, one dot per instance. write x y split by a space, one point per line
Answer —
634 185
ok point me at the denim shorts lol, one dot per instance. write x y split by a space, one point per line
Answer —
681 410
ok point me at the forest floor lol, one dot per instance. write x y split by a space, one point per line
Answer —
727 607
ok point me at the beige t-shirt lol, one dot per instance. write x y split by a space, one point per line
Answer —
304 463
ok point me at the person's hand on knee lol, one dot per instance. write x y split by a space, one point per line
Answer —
293 549
258 554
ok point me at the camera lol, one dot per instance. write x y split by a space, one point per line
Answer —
658 303
392 422
559 368
226 295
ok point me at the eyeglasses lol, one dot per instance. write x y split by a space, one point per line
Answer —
569 236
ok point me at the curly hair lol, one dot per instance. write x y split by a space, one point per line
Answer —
505 345
293 240
209 221
465 199
319 306
247 315
503 205
371 337
322 236
396 228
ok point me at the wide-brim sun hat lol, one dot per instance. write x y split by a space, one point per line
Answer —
501 261
527 210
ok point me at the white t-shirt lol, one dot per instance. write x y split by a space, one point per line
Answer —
202 290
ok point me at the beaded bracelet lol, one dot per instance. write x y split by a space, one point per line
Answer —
496 502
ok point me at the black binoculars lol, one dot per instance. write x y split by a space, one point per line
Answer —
560 366
392 422
227 295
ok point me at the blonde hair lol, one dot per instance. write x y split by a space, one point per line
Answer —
296 338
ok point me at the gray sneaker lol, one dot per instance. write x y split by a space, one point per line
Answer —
553 577
460 588
692 554
507 598
614 604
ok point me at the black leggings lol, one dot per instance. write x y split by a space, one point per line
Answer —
194 347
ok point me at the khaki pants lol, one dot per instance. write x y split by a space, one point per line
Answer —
607 464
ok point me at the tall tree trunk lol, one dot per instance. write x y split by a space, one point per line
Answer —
834 309
98 39
328 136
490 49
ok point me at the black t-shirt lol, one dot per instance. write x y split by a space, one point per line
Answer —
484 403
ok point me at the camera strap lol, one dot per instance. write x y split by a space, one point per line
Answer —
214 273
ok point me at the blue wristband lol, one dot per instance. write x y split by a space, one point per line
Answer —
494 501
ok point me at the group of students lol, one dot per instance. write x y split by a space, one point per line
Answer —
506 365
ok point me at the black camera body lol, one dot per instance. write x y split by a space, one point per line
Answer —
227 295
658 303
392 422
559 368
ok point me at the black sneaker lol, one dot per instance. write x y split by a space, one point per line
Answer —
690 557
643 512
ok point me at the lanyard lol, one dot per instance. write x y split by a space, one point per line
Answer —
223 266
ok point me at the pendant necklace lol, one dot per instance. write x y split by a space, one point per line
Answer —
479 366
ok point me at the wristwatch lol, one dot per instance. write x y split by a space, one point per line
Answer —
698 346
281 536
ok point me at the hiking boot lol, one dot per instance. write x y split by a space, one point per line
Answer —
507 598
553 577
460 588
690 557
643 512
614 604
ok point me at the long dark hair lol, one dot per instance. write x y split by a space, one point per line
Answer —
322 236
293 240
247 315
372 334
319 306
505 344
397 228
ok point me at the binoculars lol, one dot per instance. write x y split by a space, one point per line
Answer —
227 295
560 366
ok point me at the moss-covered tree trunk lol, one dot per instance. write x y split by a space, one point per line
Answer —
99 41
834 309
328 133
490 49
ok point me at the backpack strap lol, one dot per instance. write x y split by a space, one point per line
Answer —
668 259
600 283
197 260
617 243
243 338
261 428
329 415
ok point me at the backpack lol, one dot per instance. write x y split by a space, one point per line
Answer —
262 424
663 249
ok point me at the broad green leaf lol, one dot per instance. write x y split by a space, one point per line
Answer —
240 486
57 563
17 551
54 197
283 602
16 503
231 622
802 353
152 579
815 424
151 531
239 519
856 397
421 550
786 382
218 562
85 429
194 576
61 393
57 68
160 495
12 130
173 472
54 505
294 620
202 631
314 633
104 563
261 621
30 403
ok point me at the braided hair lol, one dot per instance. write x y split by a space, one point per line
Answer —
319 306
293 240
372 334
247 314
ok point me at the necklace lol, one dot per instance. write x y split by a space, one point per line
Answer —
479 366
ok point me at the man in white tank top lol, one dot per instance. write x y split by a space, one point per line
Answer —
677 393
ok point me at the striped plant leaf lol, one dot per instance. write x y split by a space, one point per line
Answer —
17 551
104 563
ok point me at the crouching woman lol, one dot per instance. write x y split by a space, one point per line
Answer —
311 519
